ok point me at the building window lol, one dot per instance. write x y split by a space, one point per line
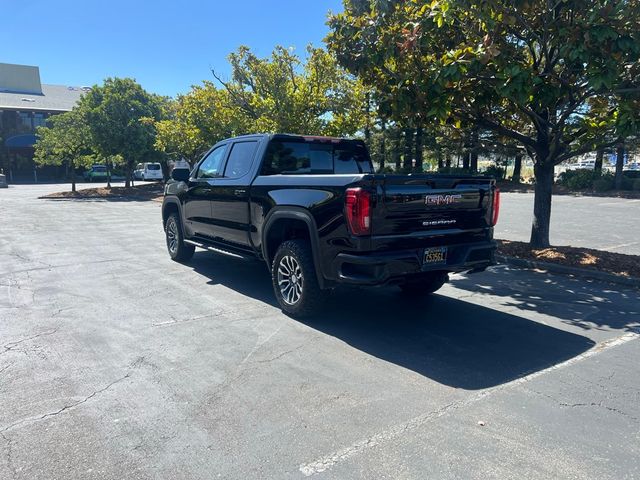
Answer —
39 120
25 120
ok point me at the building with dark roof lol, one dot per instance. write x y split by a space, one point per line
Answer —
25 104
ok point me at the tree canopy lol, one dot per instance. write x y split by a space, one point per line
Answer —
284 94
65 141
197 120
281 93
120 115
559 77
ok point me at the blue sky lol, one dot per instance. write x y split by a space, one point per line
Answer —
166 45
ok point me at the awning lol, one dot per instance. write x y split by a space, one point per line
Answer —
21 141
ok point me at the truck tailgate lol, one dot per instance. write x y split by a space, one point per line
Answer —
431 205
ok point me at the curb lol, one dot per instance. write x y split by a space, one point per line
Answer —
110 197
578 272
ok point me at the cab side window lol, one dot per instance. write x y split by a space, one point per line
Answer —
211 166
240 159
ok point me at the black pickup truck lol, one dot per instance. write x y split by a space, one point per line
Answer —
313 209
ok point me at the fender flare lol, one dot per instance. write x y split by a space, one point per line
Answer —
294 213
172 201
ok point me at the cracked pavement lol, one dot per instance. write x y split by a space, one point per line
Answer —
117 363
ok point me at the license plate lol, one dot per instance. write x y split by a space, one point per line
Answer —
435 255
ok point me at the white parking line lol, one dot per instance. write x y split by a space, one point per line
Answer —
328 461
615 204
613 247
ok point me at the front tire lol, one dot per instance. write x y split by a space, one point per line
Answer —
294 279
178 250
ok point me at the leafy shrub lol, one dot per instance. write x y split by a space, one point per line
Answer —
453 171
581 179
603 184
627 183
636 184
632 174
495 171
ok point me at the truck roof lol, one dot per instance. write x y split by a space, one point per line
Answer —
292 136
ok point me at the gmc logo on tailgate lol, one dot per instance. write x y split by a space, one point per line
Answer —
439 200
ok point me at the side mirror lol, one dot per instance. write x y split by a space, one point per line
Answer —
180 174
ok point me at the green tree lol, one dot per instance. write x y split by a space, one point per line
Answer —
199 119
284 94
277 94
64 142
121 116
528 70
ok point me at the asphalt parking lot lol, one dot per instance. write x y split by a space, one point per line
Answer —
117 363
604 223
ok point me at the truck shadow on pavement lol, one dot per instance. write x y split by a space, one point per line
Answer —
586 304
452 341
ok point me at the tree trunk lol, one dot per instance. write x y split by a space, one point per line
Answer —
517 168
408 148
68 176
129 178
109 168
465 160
473 160
473 155
383 143
542 205
418 149
619 165
447 162
397 160
599 158
440 159
73 178
367 112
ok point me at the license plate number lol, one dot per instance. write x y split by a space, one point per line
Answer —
435 255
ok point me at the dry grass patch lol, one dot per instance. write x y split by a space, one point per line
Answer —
609 262
143 191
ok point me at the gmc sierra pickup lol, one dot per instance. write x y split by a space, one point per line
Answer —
313 209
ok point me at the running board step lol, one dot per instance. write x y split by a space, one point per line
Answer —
221 250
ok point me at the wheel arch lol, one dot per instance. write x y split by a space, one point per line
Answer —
170 206
287 224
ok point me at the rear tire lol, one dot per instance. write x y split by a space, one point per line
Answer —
425 285
178 250
294 279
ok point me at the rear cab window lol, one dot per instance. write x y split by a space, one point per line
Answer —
298 157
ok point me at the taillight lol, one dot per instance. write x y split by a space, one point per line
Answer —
496 207
358 210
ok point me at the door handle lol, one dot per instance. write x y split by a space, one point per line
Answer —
239 192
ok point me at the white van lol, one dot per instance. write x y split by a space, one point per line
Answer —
148 171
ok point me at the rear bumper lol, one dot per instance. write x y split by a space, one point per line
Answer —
395 267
